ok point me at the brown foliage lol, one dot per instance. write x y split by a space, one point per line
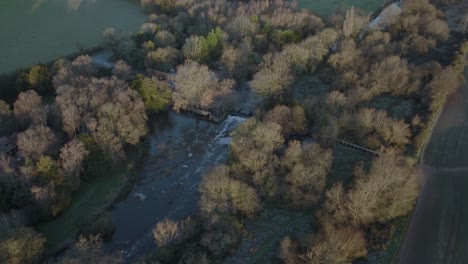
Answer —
220 239
221 195
391 75
375 128
23 246
37 141
387 190
346 60
89 250
253 144
309 53
72 155
166 232
106 108
287 251
442 86
348 23
274 77
335 244
306 169
419 27
28 109
122 70
198 88
236 61
292 120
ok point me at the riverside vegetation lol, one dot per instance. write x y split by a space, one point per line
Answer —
317 79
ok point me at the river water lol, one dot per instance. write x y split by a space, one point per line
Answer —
182 147
35 31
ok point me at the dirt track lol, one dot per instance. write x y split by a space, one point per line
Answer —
438 231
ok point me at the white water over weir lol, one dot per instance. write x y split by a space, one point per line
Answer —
229 124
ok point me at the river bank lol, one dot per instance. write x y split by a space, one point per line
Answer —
179 148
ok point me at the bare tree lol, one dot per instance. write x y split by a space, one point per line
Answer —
348 23
222 195
306 169
72 155
274 78
375 128
387 190
164 39
292 120
463 25
122 70
163 59
89 250
236 61
241 27
442 86
37 141
335 244
192 48
28 109
419 27
166 232
253 144
107 108
287 251
83 65
198 87
391 75
23 246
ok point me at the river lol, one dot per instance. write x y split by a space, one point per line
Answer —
182 147
38 31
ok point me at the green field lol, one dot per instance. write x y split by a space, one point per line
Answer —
325 8
94 195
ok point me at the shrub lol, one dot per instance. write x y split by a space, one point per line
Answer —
23 246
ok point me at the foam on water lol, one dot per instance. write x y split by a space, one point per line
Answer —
228 125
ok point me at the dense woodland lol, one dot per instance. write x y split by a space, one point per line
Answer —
318 80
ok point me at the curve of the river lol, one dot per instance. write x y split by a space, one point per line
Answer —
182 147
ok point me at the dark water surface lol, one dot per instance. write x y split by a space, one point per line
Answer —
182 147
